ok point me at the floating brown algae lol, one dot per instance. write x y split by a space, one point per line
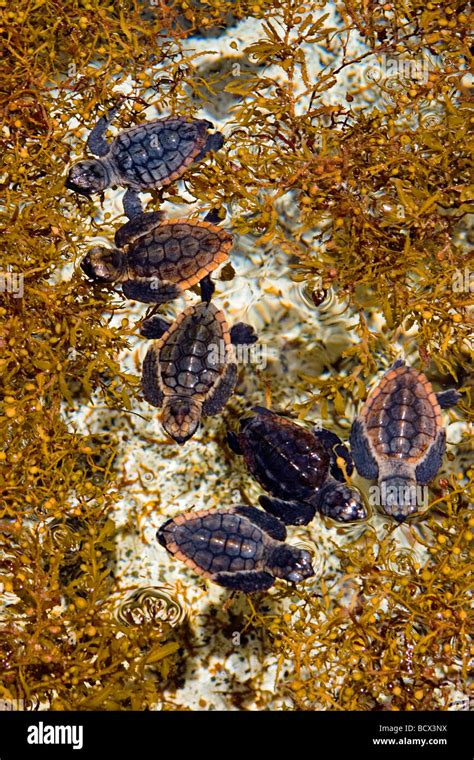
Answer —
367 193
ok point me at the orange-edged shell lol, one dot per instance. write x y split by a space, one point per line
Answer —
182 252
402 417
215 541
158 152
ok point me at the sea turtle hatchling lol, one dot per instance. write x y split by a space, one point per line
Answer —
143 157
190 371
299 467
398 438
156 261
240 548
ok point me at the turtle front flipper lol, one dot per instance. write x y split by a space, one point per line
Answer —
150 290
242 334
223 390
448 398
266 522
339 502
96 141
154 327
213 142
289 512
132 205
150 383
140 224
365 462
432 461
247 581
336 449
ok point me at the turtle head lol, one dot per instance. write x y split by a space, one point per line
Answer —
290 563
87 177
400 497
104 264
181 418
341 503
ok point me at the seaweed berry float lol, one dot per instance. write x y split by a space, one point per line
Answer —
147 156
240 548
399 439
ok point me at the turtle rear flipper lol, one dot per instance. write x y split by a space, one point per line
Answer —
266 522
221 393
448 398
242 334
140 224
215 215
397 363
150 290
150 385
289 512
336 449
247 581
154 327
207 288
365 462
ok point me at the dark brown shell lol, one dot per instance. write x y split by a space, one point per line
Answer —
285 458
401 416
182 251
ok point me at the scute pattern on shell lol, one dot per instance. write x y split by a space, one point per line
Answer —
402 415
285 458
158 152
191 358
216 542
182 251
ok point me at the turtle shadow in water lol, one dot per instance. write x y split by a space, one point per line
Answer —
239 651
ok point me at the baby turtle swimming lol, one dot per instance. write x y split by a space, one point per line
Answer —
155 260
191 371
240 548
398 439
298 467
147 156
